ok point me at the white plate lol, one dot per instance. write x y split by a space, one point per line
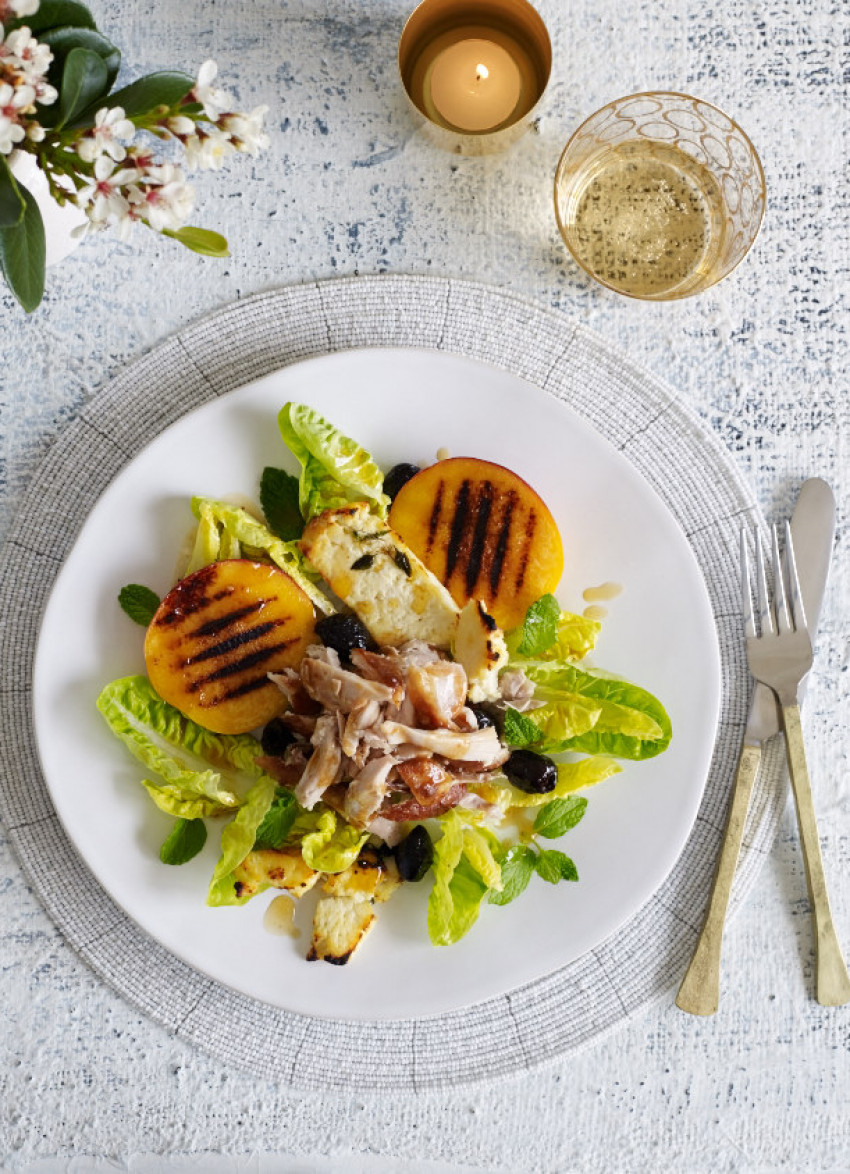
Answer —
404 406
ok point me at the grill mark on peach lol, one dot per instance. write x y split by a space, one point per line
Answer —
434 519
498 563
239 666
531 526
457 528
246 687
478 543
213 627
233 642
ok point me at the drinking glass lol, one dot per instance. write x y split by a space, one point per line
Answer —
659 195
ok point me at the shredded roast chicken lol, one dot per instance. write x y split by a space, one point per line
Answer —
385 740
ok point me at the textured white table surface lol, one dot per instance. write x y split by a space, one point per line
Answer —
350 186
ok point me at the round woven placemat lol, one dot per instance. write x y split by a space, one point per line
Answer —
640 416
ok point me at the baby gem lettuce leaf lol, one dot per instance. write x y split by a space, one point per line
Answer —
594 714
334 845
551 634
237 840
200 773
459 888
335 470
229 524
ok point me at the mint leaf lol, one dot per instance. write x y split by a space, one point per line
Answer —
184 841
520 730
278 820
553 866
540 626
140 603
558 816
517 871
279 500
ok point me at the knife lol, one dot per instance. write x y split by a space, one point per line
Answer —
813 530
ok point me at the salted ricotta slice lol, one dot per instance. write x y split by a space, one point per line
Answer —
369 567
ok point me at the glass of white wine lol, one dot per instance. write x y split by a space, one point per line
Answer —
659 195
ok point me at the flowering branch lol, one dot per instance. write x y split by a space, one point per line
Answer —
54 83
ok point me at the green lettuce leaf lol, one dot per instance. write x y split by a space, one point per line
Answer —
335 470
173 801
459 889
333 845
237 840
237 531
574 638
194 764
478 851
594 714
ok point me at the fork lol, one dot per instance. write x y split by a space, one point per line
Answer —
779 652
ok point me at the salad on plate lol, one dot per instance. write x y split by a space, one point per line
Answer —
367 681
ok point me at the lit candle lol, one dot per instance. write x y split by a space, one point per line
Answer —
475 85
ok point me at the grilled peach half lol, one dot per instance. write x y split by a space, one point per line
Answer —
216 636
483 532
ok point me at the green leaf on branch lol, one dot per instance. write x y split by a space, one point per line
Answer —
83 80
63 40
22 255
11 201
52 14
148 93
200 240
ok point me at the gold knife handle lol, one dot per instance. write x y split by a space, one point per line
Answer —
699 993
832 983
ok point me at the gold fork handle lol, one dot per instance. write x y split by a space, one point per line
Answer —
832 982
699 993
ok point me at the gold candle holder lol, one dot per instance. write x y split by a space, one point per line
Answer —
475 70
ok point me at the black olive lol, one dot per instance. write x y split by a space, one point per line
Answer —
533 773
398 475
414 855
276 737
487 714
344 633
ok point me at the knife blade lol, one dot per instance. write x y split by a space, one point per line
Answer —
813 531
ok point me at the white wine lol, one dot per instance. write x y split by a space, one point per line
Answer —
647 219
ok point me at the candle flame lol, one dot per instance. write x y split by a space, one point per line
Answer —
481 71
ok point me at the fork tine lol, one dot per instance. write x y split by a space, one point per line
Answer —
747 587
798 611
783 620
765 610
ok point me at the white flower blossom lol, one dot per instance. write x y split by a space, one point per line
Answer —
10 134
110 126
208 149
179 125
214 101
35 132
22 8
102 200
28 54
246 130
169 200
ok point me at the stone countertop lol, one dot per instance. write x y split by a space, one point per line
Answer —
349 186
